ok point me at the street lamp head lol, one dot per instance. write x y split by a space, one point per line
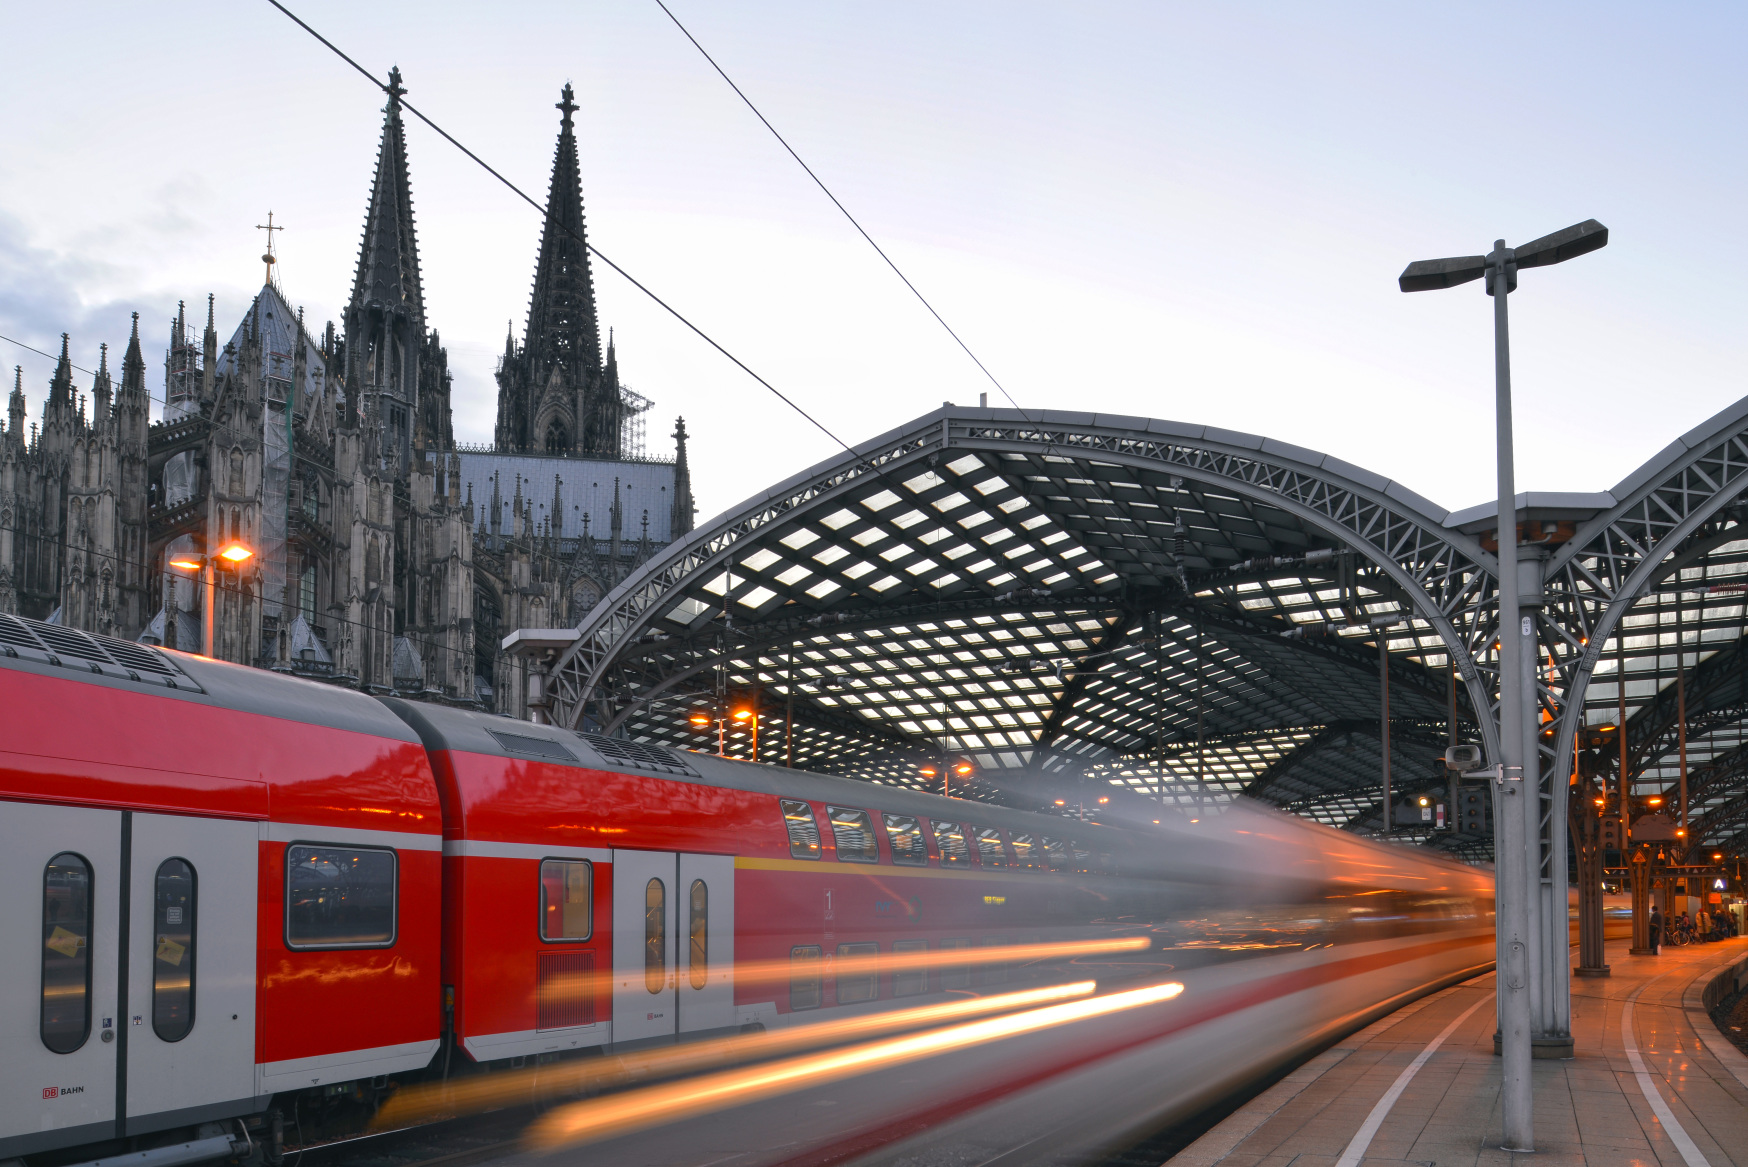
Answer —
1578 239
742 714
699 718
186 563
1427 275
235 553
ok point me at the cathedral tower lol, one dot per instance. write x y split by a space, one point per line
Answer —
555 396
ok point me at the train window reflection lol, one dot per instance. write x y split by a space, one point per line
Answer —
863 983
1082 858
950 841
955 976
804 976
1056 853
803 830
655 936
66 953
905 835
990 849
173 906
1027 853
339 897
853 833
909 982
698 928
566 911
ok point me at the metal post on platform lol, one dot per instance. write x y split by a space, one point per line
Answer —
1384 723
1517 842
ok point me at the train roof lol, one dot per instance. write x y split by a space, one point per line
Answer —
448 728
33 646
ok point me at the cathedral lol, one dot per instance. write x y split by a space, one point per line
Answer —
302 504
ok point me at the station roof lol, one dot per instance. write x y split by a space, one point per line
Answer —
1082 606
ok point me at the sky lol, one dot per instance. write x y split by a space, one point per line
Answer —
1193 212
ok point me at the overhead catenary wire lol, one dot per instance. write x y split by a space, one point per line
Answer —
860 230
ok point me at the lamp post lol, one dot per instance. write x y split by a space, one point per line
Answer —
1517 841
233 554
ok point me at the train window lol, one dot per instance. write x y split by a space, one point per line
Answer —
858 973
955 976
655 936
339 897
1056 853
66 953
1082 858
173 907
910 974
990 849
698 928
950 841
992 972
853 832
905 835
803 830
1027 853
566 900
1103 863
804 976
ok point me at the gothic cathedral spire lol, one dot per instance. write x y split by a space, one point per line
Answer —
554 395
391 359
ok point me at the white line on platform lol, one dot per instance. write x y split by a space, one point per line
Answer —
1356 1150
1677 1133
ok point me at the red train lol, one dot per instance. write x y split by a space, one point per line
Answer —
259 904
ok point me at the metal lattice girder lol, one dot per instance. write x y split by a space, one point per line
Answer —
1047 594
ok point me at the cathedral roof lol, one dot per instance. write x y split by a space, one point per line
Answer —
275 322
562 326
388 258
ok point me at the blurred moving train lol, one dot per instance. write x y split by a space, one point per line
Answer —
259 905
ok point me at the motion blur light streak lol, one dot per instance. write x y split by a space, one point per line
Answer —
602 1118
747 972
426 1103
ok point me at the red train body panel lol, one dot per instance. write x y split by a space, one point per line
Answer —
265 900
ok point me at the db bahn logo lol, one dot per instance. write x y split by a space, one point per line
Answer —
61 1091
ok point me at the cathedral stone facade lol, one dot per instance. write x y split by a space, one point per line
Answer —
382 554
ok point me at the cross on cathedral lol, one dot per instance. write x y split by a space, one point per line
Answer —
268 258
567 106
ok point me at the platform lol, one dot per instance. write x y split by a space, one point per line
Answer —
1421 1086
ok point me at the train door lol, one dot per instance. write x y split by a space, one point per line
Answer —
191 970
706 972
60 887
645 912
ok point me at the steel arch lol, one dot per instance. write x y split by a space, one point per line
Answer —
1447 576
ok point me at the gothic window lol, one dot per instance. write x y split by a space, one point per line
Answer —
556 442
311 502
372 564
236 472
236 523
306 589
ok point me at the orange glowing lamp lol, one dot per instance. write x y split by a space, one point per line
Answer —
1601 802
1679 832
700 719
1102 801
742 714
186 564
962 768
928 771
235 553
1061 802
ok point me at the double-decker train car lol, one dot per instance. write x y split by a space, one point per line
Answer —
258 905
